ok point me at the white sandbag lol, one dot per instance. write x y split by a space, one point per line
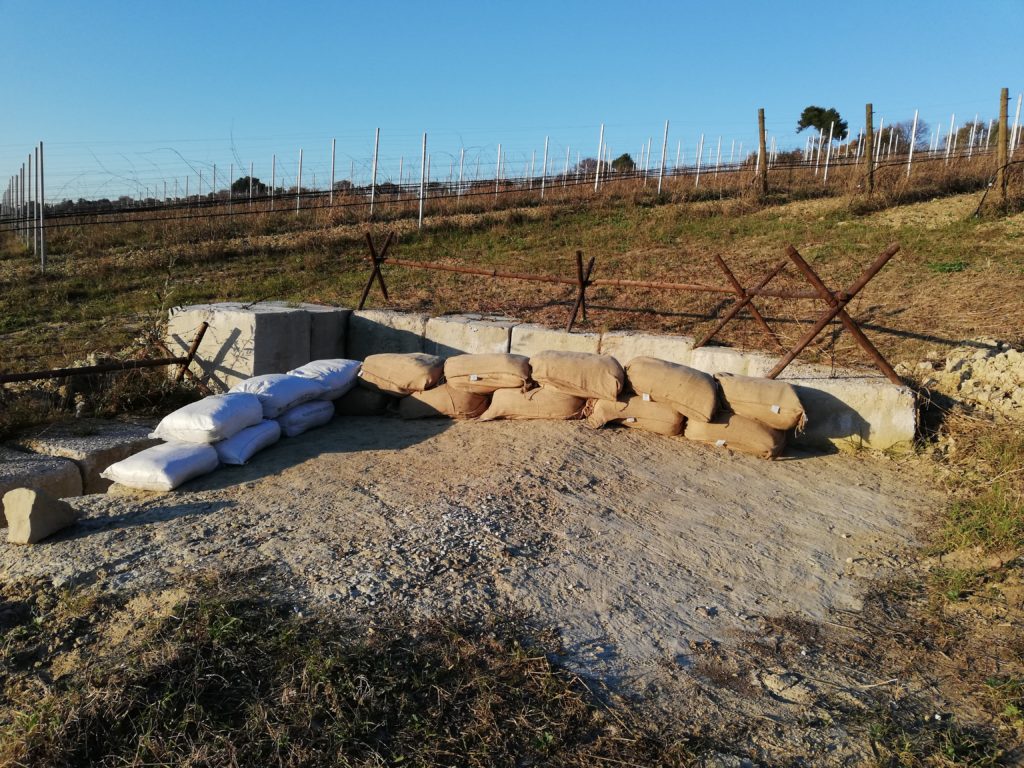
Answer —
247 443
213 418
297 420
279 391
163 467
336 376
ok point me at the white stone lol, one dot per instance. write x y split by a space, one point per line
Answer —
467 334
32 515
242 341
529 339
376 331
58 477
625 345
93 445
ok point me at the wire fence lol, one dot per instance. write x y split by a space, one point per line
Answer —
820 161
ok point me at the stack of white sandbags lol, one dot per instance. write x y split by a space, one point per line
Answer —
231 428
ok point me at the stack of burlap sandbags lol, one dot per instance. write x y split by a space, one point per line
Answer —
420 386
565 381
745 414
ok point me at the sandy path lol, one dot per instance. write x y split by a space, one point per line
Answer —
634 545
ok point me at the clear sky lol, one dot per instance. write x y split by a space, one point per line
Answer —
127 95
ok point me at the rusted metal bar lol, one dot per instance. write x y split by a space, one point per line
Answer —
60 373
842 299
193 348
482 272
375 274
582 281
848 322
745 299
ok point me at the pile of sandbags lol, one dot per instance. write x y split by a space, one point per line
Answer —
742 413
231 428
737 412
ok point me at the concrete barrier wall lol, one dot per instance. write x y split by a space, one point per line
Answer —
845 408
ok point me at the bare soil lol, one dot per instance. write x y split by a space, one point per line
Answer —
645 553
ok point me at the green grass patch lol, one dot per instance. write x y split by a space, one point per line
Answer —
947 267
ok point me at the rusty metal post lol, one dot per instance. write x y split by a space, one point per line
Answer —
841 299
191 352
844 317
744 299
376 260
582 281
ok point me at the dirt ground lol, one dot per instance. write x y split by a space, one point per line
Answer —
639 548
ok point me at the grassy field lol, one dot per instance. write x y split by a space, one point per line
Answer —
483 694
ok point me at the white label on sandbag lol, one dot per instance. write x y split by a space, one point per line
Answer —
646 397
776 409
631 419
474 377
720 443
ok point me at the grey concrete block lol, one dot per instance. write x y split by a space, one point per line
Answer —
720 360
529 339
852 412
376 331
467 334
58 477
93 445
242 341
625 345
327 328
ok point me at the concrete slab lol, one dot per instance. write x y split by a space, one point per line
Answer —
467 334
93 445
529 339
854 412
720 360
625 345
376 331
242 340
58 477
327 327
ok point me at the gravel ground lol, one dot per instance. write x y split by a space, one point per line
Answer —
635 546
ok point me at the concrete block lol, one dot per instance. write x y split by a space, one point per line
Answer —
93 445
852 412
720 360
242 341
32 515
625 345
467 334
327 327
529 339
58 477
375 331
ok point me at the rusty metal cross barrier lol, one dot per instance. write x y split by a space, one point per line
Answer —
836 301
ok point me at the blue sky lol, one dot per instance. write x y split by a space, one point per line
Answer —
132 94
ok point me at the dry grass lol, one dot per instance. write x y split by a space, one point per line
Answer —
222 679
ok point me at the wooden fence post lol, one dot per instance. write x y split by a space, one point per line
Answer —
1001 142
869 145
764 152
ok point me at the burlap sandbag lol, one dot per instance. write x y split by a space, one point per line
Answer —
582 374
399 374
637 413
443 401
691 392
728 430
540 403
362 402
774 403
483 374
